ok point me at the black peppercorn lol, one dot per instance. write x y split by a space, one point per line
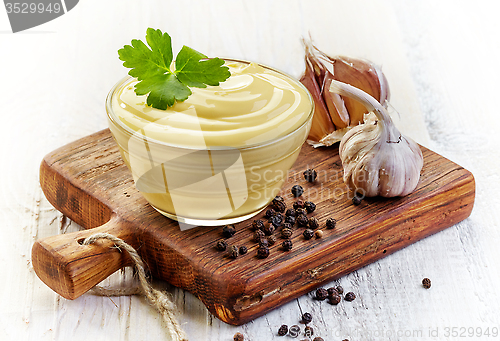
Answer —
332 291
290 220
283 330
302 220
334 299
269 229
263 252
298 204
300 211
228 231
258 224
290 212
307 318
308 234
233 252
339 289
286 225
258 235
287 245
310 175
331 223
271 240
356 200
297 190
221 245
276 220
279 206
286 232
313 223
269 213
350 296
317 338
321 294
308 331
278 198
426 283
264 242
238 337
243 250
309 206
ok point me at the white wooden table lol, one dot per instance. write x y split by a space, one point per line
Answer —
441 61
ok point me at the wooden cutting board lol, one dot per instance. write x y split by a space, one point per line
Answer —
88 182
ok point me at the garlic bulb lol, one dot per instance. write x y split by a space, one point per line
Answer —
377 159
335 114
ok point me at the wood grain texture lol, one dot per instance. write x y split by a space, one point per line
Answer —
88 182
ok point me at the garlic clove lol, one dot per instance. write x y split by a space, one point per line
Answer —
335 104
321 123
377 159
363 75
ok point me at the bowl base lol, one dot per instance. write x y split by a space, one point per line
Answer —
187 223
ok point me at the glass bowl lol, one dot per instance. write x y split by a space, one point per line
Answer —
210 186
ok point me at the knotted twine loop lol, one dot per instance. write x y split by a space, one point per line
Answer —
158 299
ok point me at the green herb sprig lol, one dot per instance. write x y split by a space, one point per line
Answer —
152 67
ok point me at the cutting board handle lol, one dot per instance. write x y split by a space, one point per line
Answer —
70 268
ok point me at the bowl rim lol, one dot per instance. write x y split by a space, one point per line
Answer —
134 134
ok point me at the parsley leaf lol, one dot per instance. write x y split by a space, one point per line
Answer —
152 67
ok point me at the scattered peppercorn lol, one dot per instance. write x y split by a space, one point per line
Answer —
258 224
263 252
233 252
279 206
238 337
269 213
332 291
334 299
300 211
287 245
350 296
269 229
356 200
271 240
297 190
308 234
331 223
308 331
313 223
243 250
278 198
302 220
263 242
321 294
294 330
317 338
339 289
307 318
426 283
221 245
290 212
309 206
286 232
283 330
228 231
318 233
276 220
298 204
258 235
310 175
290 220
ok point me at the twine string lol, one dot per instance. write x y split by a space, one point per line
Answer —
157 298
